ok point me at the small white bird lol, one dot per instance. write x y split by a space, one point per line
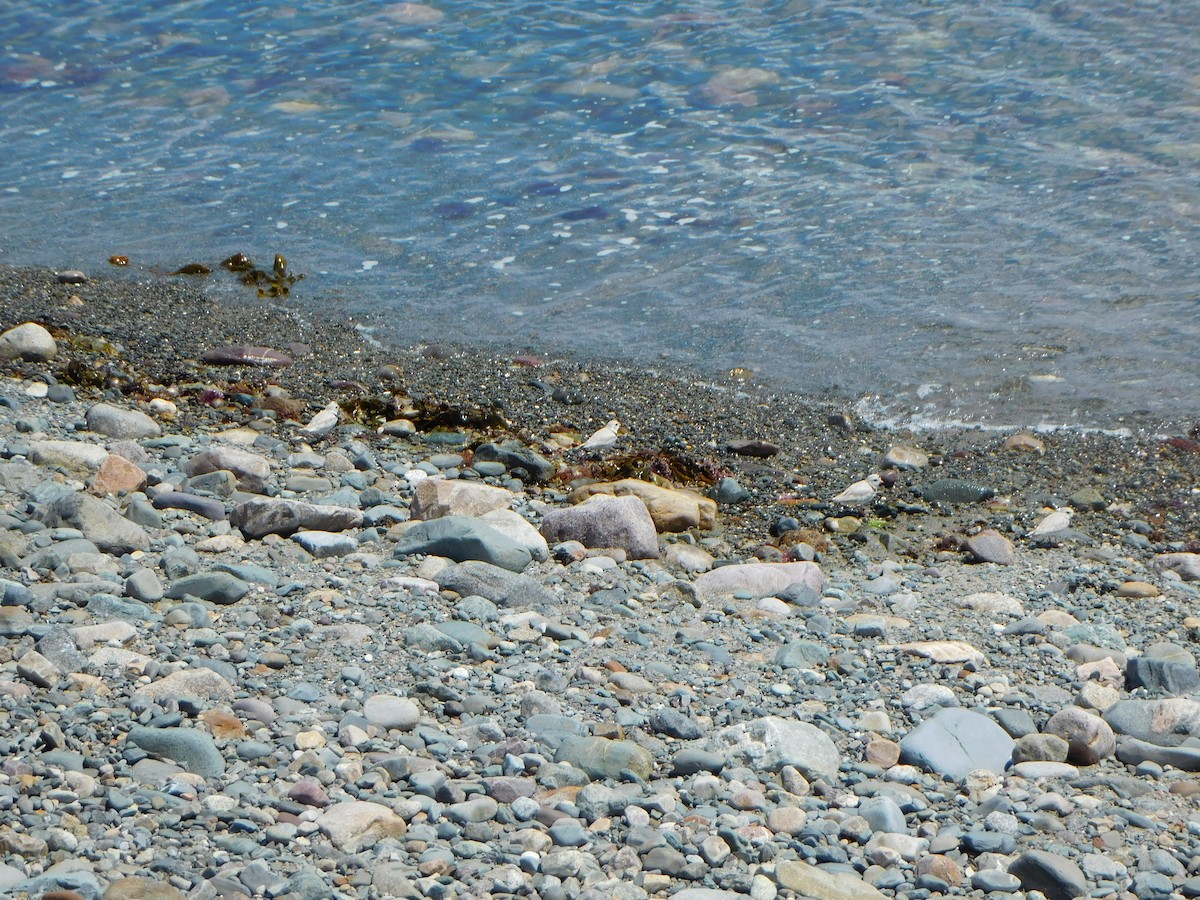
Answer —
605 437
1059 520
323 422
860 491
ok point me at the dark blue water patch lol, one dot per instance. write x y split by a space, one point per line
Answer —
585 213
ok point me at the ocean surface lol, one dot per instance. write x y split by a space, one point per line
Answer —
983 210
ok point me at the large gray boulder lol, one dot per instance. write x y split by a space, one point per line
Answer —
602 522
955 742
262 516
100 523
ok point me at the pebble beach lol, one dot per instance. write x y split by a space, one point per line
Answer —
288 614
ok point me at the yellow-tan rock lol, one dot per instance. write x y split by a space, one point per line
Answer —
672 509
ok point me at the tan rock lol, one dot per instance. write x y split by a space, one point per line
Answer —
356 824
943 651
309 740
902 457
1103 671
36 669
1024 443
88 636
438 497
116 476
672 509
882 752
203 683
1094 695
820 884
73 456
222 723
88 684
1138 590
139 888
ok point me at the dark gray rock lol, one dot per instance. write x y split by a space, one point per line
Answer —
463 538
1055 876
516 456
694 759
956 491
215 587
502 587
262 516
58 646
194 503
1131 751
1161 676
955 742
673 723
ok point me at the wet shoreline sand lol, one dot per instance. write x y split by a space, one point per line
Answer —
163 326
198 702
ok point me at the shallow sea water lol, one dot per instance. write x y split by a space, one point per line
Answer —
978 211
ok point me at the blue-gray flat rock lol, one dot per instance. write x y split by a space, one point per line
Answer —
461 538
325 544
502 587
955 742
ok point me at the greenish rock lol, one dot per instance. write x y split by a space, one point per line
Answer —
603 758
192 749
